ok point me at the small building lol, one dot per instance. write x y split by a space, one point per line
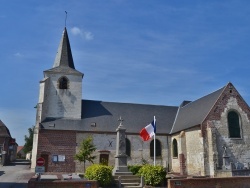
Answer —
8 145
20 153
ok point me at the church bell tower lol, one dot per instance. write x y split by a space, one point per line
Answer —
61 89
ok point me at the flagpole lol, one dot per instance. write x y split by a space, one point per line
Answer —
154 141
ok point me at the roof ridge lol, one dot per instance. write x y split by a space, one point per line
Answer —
203 97
128 103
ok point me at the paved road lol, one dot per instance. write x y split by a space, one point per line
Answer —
15 175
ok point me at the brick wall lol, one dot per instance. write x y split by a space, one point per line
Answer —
58 143
232 182
33 183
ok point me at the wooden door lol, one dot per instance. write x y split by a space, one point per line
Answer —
104 159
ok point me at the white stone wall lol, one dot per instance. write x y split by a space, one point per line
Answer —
43 101
195 152
139 149
65 103
175 166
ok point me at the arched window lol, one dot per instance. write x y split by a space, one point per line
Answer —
175 148
63 83
157 148
128 148
233 125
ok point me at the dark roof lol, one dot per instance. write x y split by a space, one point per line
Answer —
4 131
193 113
106 114
65 70
64 55
64 60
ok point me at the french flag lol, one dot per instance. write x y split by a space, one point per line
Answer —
148 131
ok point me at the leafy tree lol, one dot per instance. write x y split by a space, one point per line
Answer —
86 150
28 140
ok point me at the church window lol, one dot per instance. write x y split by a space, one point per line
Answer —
233 125
175 148
157 148
63 83
128 148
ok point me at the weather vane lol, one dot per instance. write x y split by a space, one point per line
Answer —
65 17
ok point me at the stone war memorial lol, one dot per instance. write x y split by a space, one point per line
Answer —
121 167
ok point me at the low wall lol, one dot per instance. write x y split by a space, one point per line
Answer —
33 183
230 182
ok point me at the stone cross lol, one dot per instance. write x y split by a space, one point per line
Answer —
120 120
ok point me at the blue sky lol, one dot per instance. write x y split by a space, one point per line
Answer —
137 51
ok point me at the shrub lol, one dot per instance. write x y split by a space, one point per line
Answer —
101 173
153 175
134 168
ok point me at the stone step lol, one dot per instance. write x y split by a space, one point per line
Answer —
126 176
131 185
131 180
123 174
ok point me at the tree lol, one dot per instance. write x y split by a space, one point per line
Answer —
86 150
28 141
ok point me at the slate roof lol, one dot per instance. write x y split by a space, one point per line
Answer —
64 55
64 59
106 114
193 113
169 119
63 69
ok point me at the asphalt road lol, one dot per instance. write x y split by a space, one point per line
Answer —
15 175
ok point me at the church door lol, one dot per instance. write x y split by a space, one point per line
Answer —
104 159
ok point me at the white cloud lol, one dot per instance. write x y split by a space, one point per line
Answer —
18 54
76 31
87 35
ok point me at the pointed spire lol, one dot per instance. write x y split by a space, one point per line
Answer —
64 55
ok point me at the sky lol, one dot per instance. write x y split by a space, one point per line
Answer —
157 52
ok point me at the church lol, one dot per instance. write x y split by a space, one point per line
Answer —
205 137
